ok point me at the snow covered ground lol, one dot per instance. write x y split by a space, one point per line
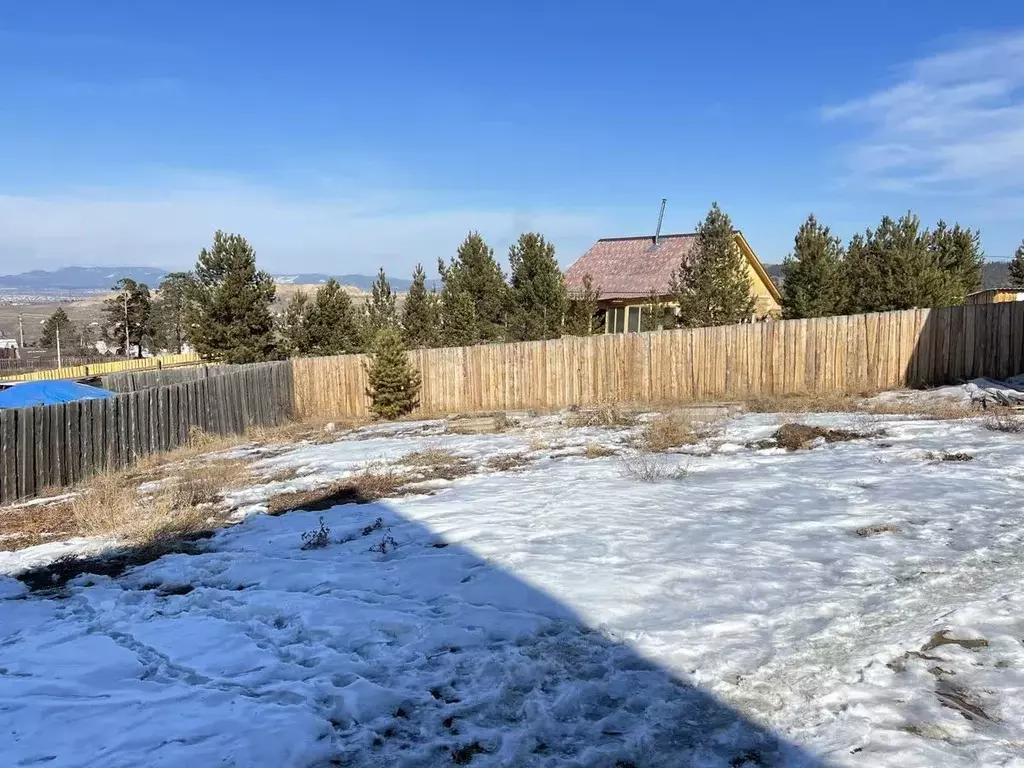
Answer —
561 614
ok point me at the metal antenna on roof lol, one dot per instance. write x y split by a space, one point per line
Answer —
661 215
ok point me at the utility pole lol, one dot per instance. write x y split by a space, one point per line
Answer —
127 339
21 333
57 326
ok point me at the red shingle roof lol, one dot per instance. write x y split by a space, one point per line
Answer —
630 267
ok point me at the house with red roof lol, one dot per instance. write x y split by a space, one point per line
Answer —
628 271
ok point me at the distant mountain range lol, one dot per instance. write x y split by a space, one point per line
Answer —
92 279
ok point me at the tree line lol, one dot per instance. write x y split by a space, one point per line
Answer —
897 265
223 307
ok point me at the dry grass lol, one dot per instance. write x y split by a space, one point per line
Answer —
437 464
597 451
667 431
838 403
1011 423
508 461
650 468
874 530
369 485
609 416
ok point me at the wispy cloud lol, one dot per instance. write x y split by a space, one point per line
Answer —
337 231
953 122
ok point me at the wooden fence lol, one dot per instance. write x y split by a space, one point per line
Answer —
849 354
131 381
58 445
99 368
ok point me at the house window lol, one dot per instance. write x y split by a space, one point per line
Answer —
634 320
617 319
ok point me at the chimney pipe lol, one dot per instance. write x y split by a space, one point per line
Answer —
661 215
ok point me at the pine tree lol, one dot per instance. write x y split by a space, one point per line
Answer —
580 314
169 329
129 316
957 253
892 268
394 384
473 278
381 312
293 325
331 325
711 285
58 320
537 298
814 283
1017 267
228 310
421 315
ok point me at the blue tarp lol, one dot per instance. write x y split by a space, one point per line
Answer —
47 393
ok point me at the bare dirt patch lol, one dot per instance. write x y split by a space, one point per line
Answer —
947 456
945 638
875 530
794 437
509 461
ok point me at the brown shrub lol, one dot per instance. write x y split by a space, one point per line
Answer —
667 431
650 468
435 464
874 530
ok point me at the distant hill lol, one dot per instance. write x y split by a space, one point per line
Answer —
363 282
78 278
995 274
92 279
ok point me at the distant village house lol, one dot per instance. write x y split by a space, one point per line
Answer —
629 271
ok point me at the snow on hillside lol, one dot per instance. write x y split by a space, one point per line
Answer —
856 604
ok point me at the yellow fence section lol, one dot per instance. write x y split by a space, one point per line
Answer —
97 369
849 354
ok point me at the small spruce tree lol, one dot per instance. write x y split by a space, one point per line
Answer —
228 309
59 319
814 284
1017 267
711 285
537 294
581 312
380 311
394 385
421 313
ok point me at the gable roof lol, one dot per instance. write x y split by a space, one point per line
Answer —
634 267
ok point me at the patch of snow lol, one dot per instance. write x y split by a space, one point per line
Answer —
563 614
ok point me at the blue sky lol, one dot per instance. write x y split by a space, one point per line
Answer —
340 136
